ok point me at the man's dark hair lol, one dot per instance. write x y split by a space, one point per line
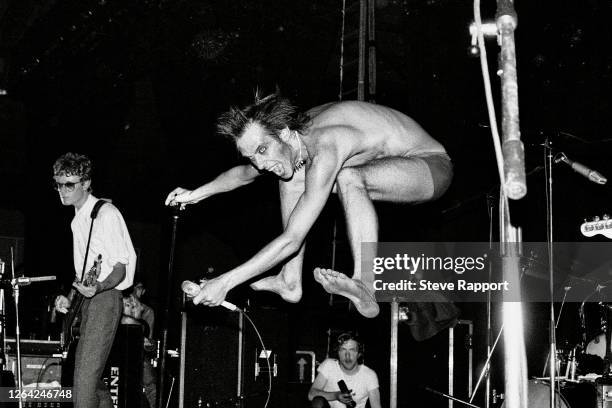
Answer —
273 112
73 164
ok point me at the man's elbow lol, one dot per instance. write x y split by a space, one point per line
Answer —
119 271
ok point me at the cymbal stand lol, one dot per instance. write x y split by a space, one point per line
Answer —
548 162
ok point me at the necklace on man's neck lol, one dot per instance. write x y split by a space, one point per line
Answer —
300 163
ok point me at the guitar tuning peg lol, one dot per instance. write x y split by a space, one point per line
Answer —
606 217
596 218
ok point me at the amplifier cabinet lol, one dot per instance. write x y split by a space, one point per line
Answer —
43 371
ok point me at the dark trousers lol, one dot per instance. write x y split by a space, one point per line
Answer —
100 317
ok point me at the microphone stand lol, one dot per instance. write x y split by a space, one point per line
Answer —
15 284
515 187
17 331
170 280
2 324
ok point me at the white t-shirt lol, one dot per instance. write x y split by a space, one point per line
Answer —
361 383
110 237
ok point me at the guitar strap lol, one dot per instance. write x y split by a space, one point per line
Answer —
94 214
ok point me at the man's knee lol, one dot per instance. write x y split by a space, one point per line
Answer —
319 402
349 177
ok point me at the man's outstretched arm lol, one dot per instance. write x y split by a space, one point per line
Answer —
227 181
320 178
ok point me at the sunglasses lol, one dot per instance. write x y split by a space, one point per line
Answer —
67 186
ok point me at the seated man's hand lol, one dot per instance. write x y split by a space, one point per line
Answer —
212 293
62 304
344 398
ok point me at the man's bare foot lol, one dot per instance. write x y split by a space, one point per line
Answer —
289 292
339 284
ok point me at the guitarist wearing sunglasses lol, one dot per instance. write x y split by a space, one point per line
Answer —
104 261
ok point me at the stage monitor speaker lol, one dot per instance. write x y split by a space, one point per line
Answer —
210 358
222 362
123 371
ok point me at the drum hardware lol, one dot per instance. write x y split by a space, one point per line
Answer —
570 371
606 393
451 398
568 394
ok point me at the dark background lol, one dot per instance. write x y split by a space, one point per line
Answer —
137 85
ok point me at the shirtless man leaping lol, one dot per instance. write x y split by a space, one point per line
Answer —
360 151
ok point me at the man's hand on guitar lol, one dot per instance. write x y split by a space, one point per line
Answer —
87 291
62 304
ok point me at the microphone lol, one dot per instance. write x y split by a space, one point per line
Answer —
344 389
192 290
579 168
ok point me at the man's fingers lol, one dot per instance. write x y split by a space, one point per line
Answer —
170 198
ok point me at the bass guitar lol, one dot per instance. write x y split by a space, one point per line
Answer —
71 322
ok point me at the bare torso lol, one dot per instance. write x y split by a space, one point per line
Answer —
372 132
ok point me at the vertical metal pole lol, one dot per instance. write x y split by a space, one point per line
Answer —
183 350
371 51
515 362
515 187
393 356
470 357
166 315
341 87
240 355
513 150
363 10
551 333
451 365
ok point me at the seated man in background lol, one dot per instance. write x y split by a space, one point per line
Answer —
136 312
361 381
